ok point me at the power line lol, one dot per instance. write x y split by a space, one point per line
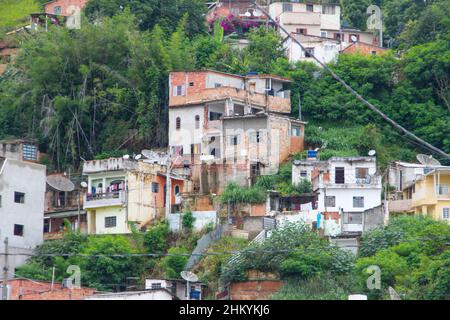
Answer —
355 93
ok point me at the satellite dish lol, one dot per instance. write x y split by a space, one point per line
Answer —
248 14
189 276
60 183
138 157
372 153
428 160
354 38
84 184
126 157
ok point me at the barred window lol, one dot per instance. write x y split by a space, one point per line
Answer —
110 222
446 213
358 202
287 7
155 187
29 152
330 201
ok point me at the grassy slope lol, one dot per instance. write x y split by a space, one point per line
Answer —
13 13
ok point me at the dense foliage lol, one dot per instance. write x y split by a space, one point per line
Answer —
413 255
292 251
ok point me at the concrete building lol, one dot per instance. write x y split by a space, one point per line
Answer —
225 127
123 191
156 294
177 287
420 189
318 27
346 187
22 190
63 202
64 7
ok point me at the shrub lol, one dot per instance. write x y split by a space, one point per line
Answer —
175 262
155 238
188 220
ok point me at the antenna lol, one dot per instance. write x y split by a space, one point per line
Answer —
126 157
428 160
138 157
84 184
372 153
354 38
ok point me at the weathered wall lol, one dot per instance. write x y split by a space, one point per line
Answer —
254 290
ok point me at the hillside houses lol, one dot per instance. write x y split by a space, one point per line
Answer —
225 127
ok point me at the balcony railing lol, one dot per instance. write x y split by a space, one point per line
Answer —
94 200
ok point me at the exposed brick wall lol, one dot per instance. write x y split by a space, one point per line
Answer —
254 290
363 48
38 290
64 4
258 210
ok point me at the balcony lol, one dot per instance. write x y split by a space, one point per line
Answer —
279 103
108 199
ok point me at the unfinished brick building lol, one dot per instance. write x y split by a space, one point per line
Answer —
225 127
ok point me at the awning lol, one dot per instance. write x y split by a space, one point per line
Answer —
64 214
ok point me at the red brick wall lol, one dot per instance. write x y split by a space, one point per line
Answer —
180 78
254 290
258 210
363 48
65 4
36 290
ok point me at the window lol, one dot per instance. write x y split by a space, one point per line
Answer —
330 201
339 175
302 30
234 140
328 9
358 202
57 10
323 34
155 187
217 85
178 123
443 189
29 152
309 52
110 222
256 137
296 131
156 286
309 7
337 36
197 122
303 174
191 84
214 116
287 7
446 213
18 230
19 197
178 91
46 225
374 53
177 189
362 173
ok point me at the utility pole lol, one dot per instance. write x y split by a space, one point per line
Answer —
299 107
5 272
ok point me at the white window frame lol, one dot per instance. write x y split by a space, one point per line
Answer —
357 204
446 213
179 91
322 34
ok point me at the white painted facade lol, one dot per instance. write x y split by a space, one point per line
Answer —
28 179
160 294
347 186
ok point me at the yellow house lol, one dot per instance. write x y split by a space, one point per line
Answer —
430 194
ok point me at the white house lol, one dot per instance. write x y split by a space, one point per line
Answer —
347 187
22 192
318 27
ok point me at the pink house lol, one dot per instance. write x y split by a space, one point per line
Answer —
64 7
